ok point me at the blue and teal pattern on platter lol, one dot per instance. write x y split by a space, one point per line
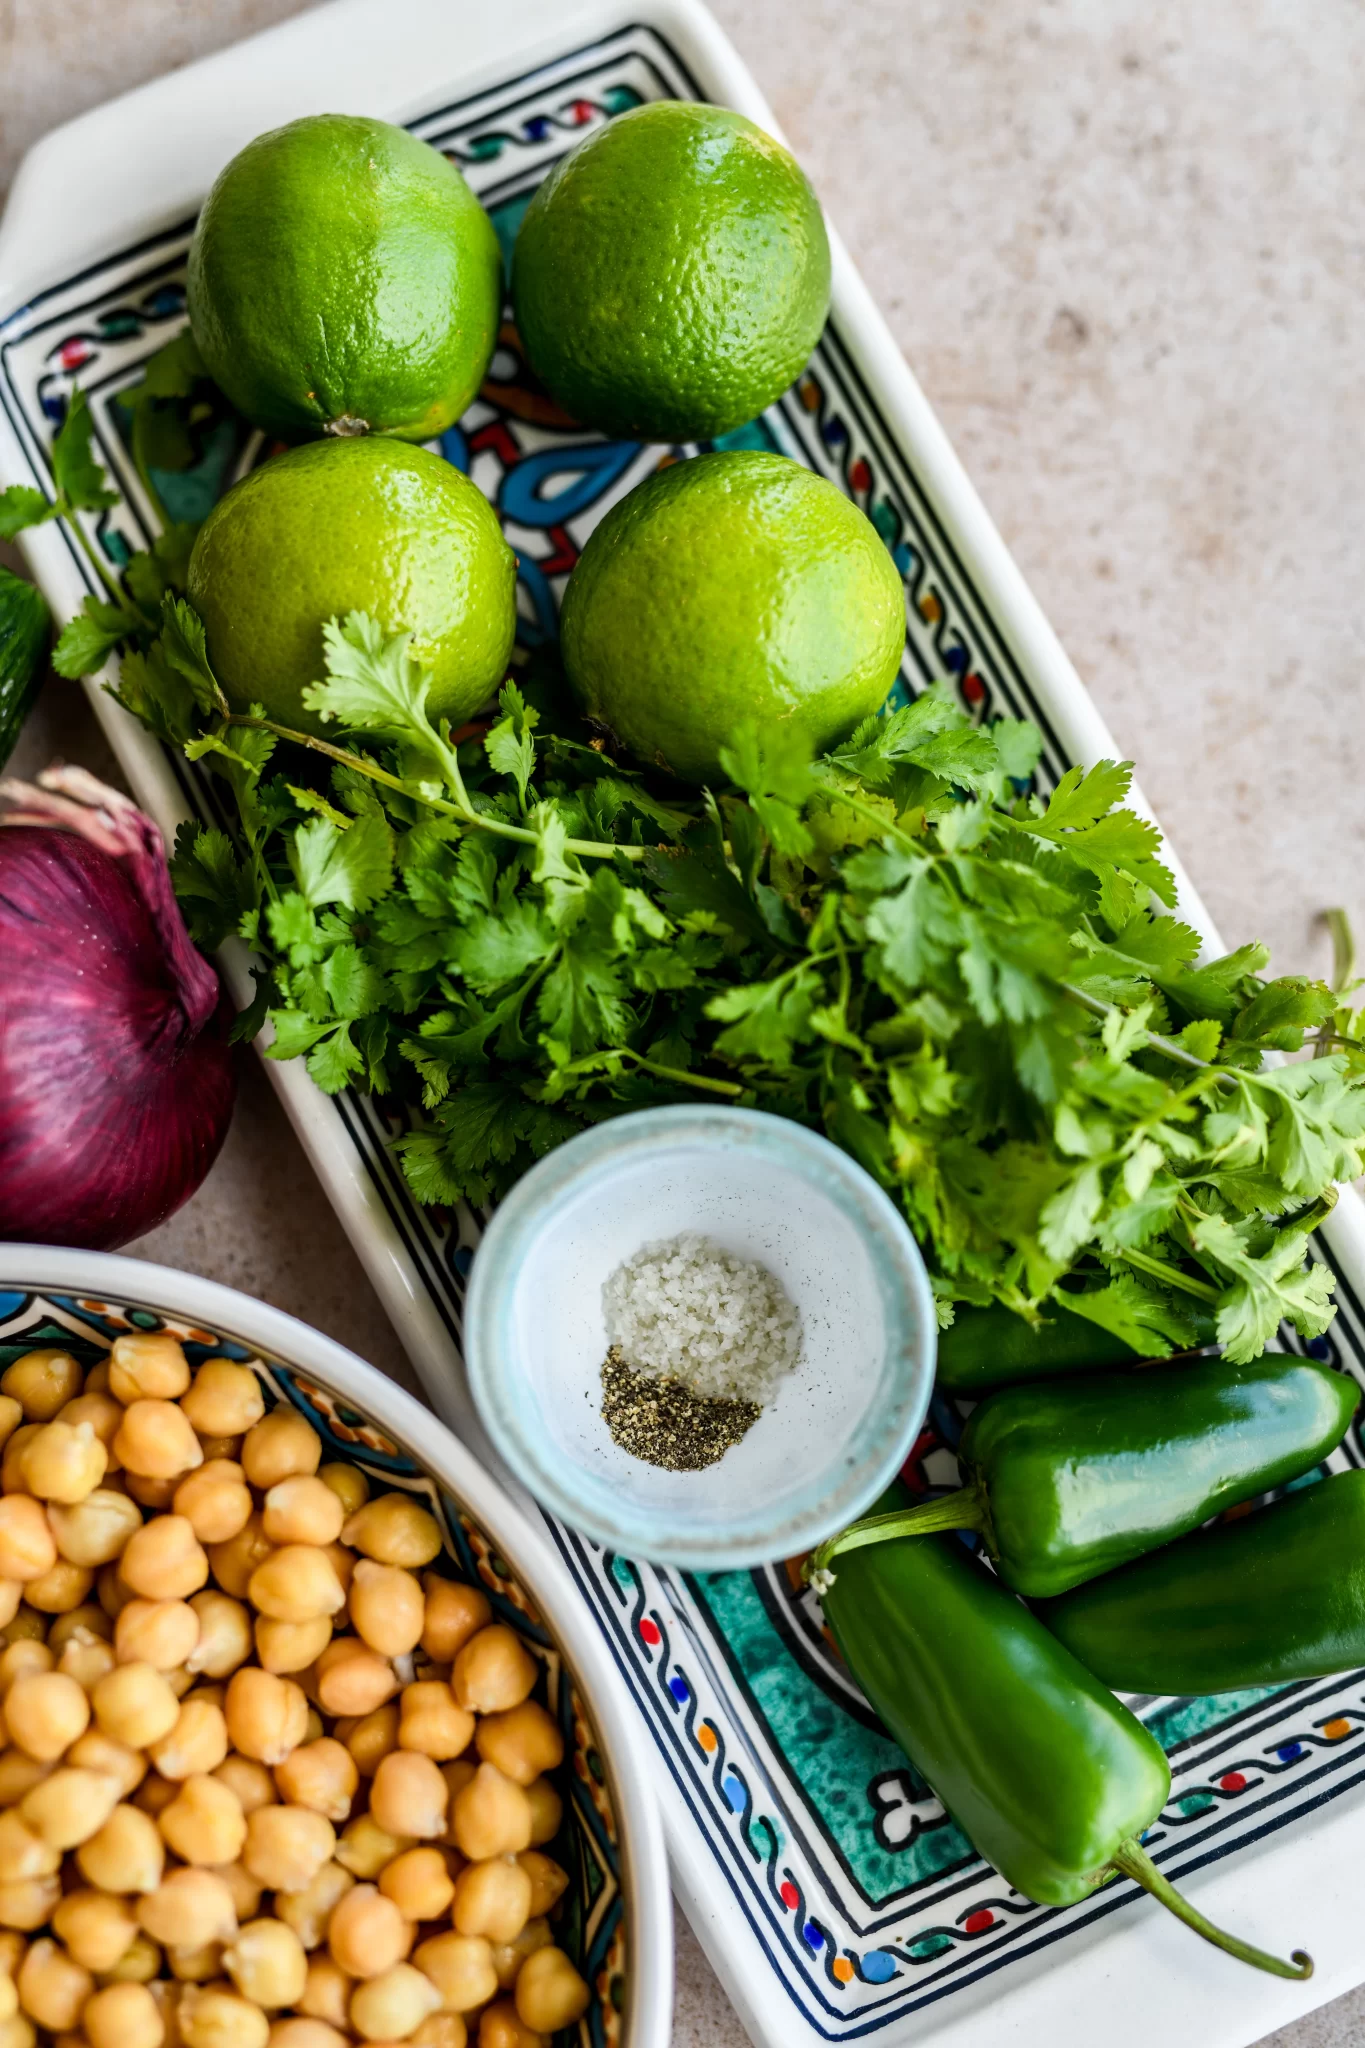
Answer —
862 1900
591 1925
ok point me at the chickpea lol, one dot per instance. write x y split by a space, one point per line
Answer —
492 1899
97 1930
204 1822
267 1964
409 1796
372 1738
305 2033
134 1704
59 1590
285 1647
395 1530
69 1807
210 2018
227 1448
215 1500
150 1365
157 1494
98 1752
63 1462
42 1382
27 1549
162 1633
246 1892
280 1446
302 1509
166 1992
364 1847
21 1659
347 1482
250 1780
225 1400
102 1412
86 1659
500 2026
550 1993
189 1908
309 1909
494 1671
196 1965
12 1478
181 1680
367 1934
20 2032
387 1608
45 1713
155 1441
154 1795
320 1775
442 2030
432 1723
11 1594
224 1634
393 2005
83 1623
296 1584
52 1988
344 1562
457 1775
28 1903
164 1560
461 1968
234 1562
352 1679
266 1716
523 1742
548 1882
419 1884
27 1625
126 1855
23 1853
491 1816
286 1846
111 1592
18 1775
123 2016
327 1992
509 1956
197 1744
139 1964
11 1415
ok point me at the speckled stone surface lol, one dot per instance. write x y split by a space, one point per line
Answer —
1121 247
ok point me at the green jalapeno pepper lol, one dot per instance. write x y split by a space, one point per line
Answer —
1275 1597
1071 1478
1051 1778
992 1347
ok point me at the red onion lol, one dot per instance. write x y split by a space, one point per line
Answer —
116 1079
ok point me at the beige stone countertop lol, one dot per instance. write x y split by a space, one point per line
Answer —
1122 247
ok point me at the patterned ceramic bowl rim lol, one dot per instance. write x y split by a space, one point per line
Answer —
283 1338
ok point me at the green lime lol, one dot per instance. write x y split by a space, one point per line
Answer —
671 275
353 526
344 279
734 588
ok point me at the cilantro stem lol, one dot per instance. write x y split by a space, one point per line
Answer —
690 1080
1171 1276
120 597
1153 1041
597 849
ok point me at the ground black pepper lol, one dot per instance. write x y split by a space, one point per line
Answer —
664 1423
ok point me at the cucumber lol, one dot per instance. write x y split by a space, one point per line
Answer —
25 627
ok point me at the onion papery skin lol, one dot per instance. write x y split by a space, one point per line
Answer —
116 1078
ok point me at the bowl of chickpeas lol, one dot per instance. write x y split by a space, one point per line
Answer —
304 1741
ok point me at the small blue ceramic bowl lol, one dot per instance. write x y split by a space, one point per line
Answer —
842 1422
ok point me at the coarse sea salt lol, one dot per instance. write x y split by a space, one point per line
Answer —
687 1309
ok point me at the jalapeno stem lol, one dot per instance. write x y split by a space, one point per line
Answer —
1132 1859
965 1509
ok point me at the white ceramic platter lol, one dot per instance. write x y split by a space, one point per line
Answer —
833 1895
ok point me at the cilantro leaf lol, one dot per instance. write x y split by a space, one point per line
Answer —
374 682
353 867
76 469
86 641
21 507
510 744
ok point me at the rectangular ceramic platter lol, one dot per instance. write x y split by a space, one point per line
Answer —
834 1897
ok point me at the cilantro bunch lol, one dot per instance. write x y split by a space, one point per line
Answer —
979 992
